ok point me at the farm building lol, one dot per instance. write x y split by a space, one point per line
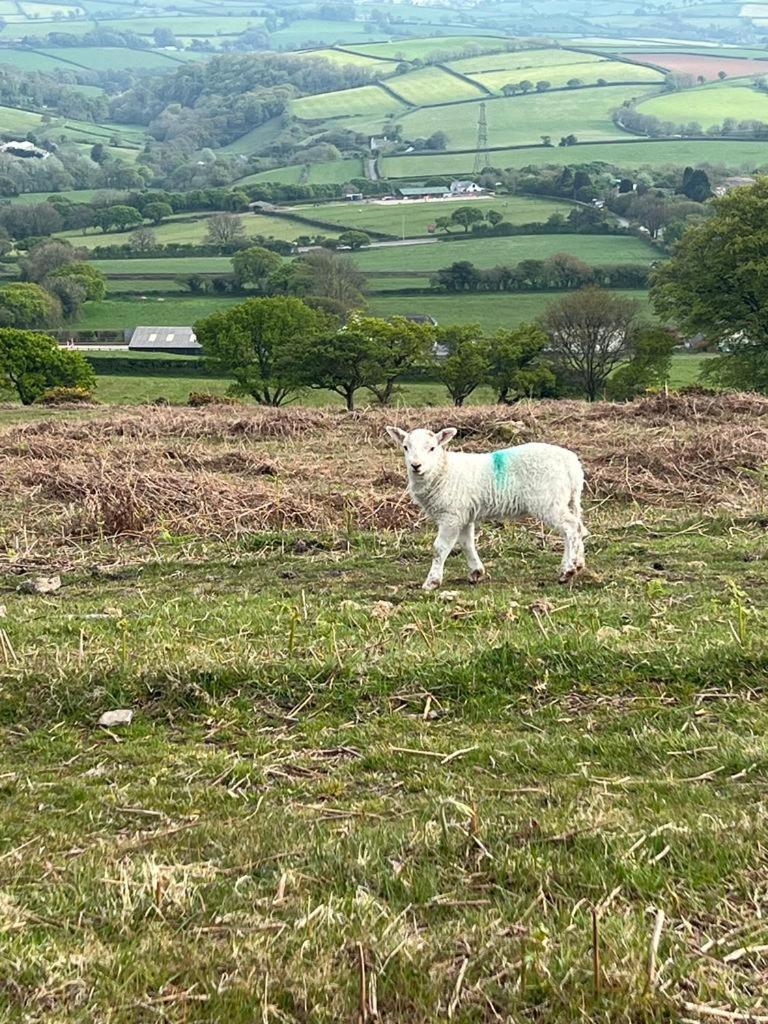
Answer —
178 340
436 192
466 188
729 184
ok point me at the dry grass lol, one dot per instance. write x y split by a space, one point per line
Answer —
224 470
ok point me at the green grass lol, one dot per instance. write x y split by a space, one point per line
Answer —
522 120
413 49
327 766
710 104
367 100
127 313
169 265
356 60
488 252
104 58
732 155
558 75
337 172
490 311
14 120
186 26
534 63
124 389
433 85
256 140
309 32
414 218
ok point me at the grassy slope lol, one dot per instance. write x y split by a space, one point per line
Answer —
128 313
522 120
487 252
710 104
441 788
588 74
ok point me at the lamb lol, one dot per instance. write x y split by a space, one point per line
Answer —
456 489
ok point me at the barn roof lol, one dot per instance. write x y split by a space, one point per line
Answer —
164 338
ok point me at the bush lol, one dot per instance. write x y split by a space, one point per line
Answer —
67 396
198 399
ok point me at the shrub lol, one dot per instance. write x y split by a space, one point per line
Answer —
67 396
197 399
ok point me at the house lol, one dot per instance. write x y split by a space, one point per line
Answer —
177 340
24 149
436 192
354 197
420 318
466 188
729 184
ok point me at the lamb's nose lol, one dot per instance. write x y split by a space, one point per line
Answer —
415 466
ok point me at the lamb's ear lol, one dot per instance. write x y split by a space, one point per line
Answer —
444 437
397 435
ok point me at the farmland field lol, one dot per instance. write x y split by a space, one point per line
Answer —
414 218
357 60
465 793
167 265
412 49
530 61
559 75
710 104
105 58
521 120
488 252
433 85
126 313
366 100
709 67
736 155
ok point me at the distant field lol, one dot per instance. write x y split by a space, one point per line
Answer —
105 58
710 105
14 120
488 252
132 312
284 175
357 60
490 311
170 265
311 32
709 67
366 100
521 120
414 218
731 155
521 60
82 195
336 172
185 26
433 85
257 139
558 75
412 49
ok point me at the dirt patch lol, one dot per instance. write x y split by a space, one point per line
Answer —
697 64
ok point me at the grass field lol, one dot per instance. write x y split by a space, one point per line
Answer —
433 85
357 60
18 121
730 155
170 265
595 250
127 313
367 100
522 120
413 49
710 104
533 62
335 172
340 792
558 75
414 218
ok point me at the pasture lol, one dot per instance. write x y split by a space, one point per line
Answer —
710 104
595 250
341 796
558 75
522 120
367 100
336 172
127 313
431 86
415 217
419 49
708 67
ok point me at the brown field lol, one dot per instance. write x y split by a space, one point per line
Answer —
709 67
227 471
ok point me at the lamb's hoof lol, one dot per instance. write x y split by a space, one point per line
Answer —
432 585
568 575
477 575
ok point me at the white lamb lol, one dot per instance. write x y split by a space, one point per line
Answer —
456 489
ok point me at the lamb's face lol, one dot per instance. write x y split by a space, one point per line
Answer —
423 450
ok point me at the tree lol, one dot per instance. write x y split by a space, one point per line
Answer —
354 239
511 88
461 276
47 257
650 211
526 85
143 240
28 305
574 83
157 212
330 276
401 344
259 344
118 217
70 293
224 229
590 333
99 153
568 140
543 86
649 366
546 140
696 185
514 369
254 266
30 363
465 364
92 280
716 283
722 75
163 36
466 216
443 224
494 217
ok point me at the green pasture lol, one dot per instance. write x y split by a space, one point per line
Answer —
413 49
733 155
587 74
168 265
596 250
18 121
256 140
179 24
336 172
310 32
414 218
367 100
710 104
106 58
433 85
290 175
126 313
80 195
521 120
532 62
357 60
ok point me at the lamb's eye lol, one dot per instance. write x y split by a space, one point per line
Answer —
433 447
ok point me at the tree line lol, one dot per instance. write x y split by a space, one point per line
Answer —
560 271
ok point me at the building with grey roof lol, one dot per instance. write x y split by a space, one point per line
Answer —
178 340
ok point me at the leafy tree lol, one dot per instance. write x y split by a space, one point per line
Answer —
400 345
224 229
465 364
716 283
157 212
330 276
649 366
47 257
543 86
443 224
514 369
70 293
28 305
526 85
722 75
99 153
143 240
163 36
494 217
354 239
254 266
574 83
30 363
466 216
511 88
590 333
460 276
118 217
90 278
260 344
650 211
343 361
696 185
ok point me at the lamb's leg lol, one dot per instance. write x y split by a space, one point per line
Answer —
568 526
445 542
467 541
